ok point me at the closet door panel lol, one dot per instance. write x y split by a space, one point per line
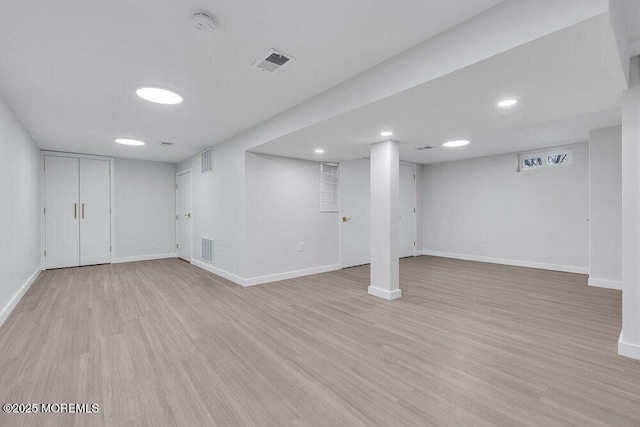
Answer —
95 216
62 217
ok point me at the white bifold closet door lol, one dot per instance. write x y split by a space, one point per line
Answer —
77 212
95 215
62 200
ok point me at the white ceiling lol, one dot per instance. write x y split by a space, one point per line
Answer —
568 83
69 67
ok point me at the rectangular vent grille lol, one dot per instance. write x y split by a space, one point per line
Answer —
207 249
206 161
273 61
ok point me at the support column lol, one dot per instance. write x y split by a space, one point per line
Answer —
629 343
385 189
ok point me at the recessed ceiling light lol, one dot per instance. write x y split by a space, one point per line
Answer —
319 151
127 141
458 143
507 103
386 133
159 95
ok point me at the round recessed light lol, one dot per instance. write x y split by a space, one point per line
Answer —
159 95
127 141
458 143
319 151
506 103
386 133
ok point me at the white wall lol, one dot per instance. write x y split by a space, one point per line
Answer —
144 206
20 184
605 207
258 226
218 208
283 209
533 218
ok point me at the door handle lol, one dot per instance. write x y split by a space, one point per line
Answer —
188 215
75 211
83 211
345 219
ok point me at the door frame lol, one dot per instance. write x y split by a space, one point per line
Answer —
43 223
415 216
184 172
415 200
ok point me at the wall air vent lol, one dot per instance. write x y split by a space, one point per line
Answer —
206 161
207 249
273 61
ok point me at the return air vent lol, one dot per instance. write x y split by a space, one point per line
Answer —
273 61
207 249
206 161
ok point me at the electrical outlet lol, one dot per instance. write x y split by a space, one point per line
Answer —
483 238
301 247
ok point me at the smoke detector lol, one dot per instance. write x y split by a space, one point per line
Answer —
273 61
203 21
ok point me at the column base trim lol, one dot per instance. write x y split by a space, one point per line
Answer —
627 349
384 294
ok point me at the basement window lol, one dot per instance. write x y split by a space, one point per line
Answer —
544 159
328 187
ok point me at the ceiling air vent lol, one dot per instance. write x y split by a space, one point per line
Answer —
428 147
166 143
273 61
206 161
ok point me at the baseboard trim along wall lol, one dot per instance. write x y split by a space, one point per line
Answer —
607 284
627 349
219 272
119 260
505 261
264 279
8 309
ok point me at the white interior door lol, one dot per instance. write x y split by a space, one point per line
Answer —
62 216
355 185
407 211
183 199
95 212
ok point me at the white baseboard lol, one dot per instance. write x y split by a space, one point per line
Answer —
290 275
264 279
607 284
627 349
118 260
219 272
384 294
8 309
505 261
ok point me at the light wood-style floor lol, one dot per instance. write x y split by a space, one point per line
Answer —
165 343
